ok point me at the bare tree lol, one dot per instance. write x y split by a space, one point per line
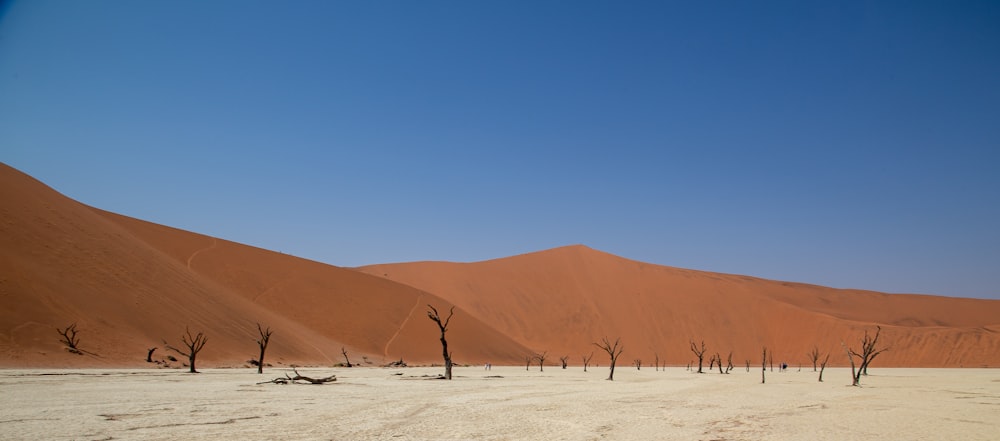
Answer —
700 353
564 360
265 338
748 365
711 363
443 326
613 350
193 344
149 354
814 356
822 367
729 364
638 364
865 357
348 360
718 358
586 360
763 366
70 339
527 362
656 361
541 360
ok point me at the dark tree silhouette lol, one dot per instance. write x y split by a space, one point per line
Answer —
149 354
656 360
287 379
613 350
527 362
541 360
443 326
564 360
194 344
586 360
700 353
638 364
265 338
763 366
822 367
865 357
814 356
70 339
348 360
729 363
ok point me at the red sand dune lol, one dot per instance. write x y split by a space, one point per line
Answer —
129 284
564 299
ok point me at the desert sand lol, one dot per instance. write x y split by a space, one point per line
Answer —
504 403
131 285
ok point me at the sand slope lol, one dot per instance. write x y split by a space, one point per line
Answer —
130 284
564 299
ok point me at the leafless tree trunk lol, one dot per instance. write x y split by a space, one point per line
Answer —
814 356
193 344
729 365
443 326
656 360
527 362
748 365
718 358
265 338
638 364
770 360
700 353
348 360
763 366
149 354
711 363
865 357
564 360
822 367
70 339
586 360
541 360
613 350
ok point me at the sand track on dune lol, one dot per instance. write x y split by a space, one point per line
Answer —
215 242
385 350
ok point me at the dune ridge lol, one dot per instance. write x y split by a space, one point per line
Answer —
131 285
564 299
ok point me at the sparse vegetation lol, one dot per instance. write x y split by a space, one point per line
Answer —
700 353
865 357
265 338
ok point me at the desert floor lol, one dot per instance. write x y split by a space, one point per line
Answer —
504 403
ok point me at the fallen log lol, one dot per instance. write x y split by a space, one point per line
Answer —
299 377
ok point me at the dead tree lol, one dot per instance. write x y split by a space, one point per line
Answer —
613 350
564 360
299 377
729 364
656 361
265 338
718 359
638 364
763 366
70 339
348 360
541 360
711 363
193 344
586 360
149 354
822 367
865 357
527 362
443 326
748 365
814 356
700 353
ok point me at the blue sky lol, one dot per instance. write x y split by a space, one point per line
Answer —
846 144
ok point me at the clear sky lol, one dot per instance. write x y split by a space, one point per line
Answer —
846 144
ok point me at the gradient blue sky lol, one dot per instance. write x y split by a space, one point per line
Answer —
847 144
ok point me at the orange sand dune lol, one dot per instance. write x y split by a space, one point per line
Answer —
564 299
130 284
